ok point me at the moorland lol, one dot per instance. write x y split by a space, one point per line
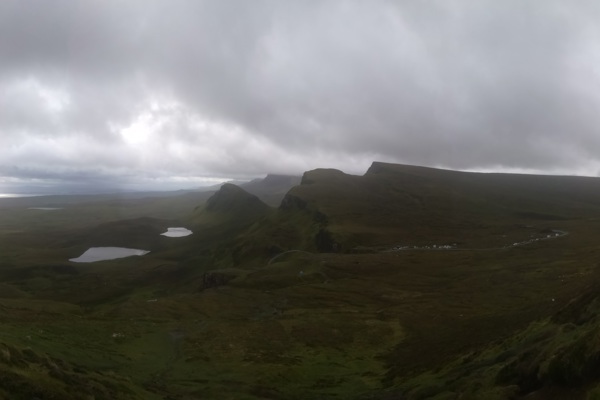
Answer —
403 283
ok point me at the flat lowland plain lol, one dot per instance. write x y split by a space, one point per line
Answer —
407 282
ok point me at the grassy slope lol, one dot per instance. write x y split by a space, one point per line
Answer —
402 204
210 316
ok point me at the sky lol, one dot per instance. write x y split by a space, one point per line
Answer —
181 93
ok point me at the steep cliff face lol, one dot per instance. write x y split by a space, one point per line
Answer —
291 202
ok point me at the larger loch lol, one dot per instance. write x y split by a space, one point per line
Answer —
94 254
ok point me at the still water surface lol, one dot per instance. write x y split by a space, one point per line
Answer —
107 253
177 232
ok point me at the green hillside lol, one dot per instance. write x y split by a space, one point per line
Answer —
405 204
404 283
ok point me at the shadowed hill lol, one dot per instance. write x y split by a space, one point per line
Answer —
398 204
233 201
229 213
269 190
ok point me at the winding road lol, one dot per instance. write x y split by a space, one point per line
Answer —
555 235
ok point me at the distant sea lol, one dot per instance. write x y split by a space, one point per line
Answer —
10 195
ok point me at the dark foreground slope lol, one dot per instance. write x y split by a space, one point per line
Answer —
404 283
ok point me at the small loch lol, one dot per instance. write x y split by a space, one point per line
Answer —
94 254
177 232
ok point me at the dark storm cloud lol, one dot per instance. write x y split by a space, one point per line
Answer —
234 88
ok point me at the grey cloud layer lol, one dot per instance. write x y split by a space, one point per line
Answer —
237 88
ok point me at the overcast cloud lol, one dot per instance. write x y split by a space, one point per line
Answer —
180 91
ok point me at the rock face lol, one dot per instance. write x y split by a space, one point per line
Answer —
291 202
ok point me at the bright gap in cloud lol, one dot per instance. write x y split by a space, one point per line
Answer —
140 130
